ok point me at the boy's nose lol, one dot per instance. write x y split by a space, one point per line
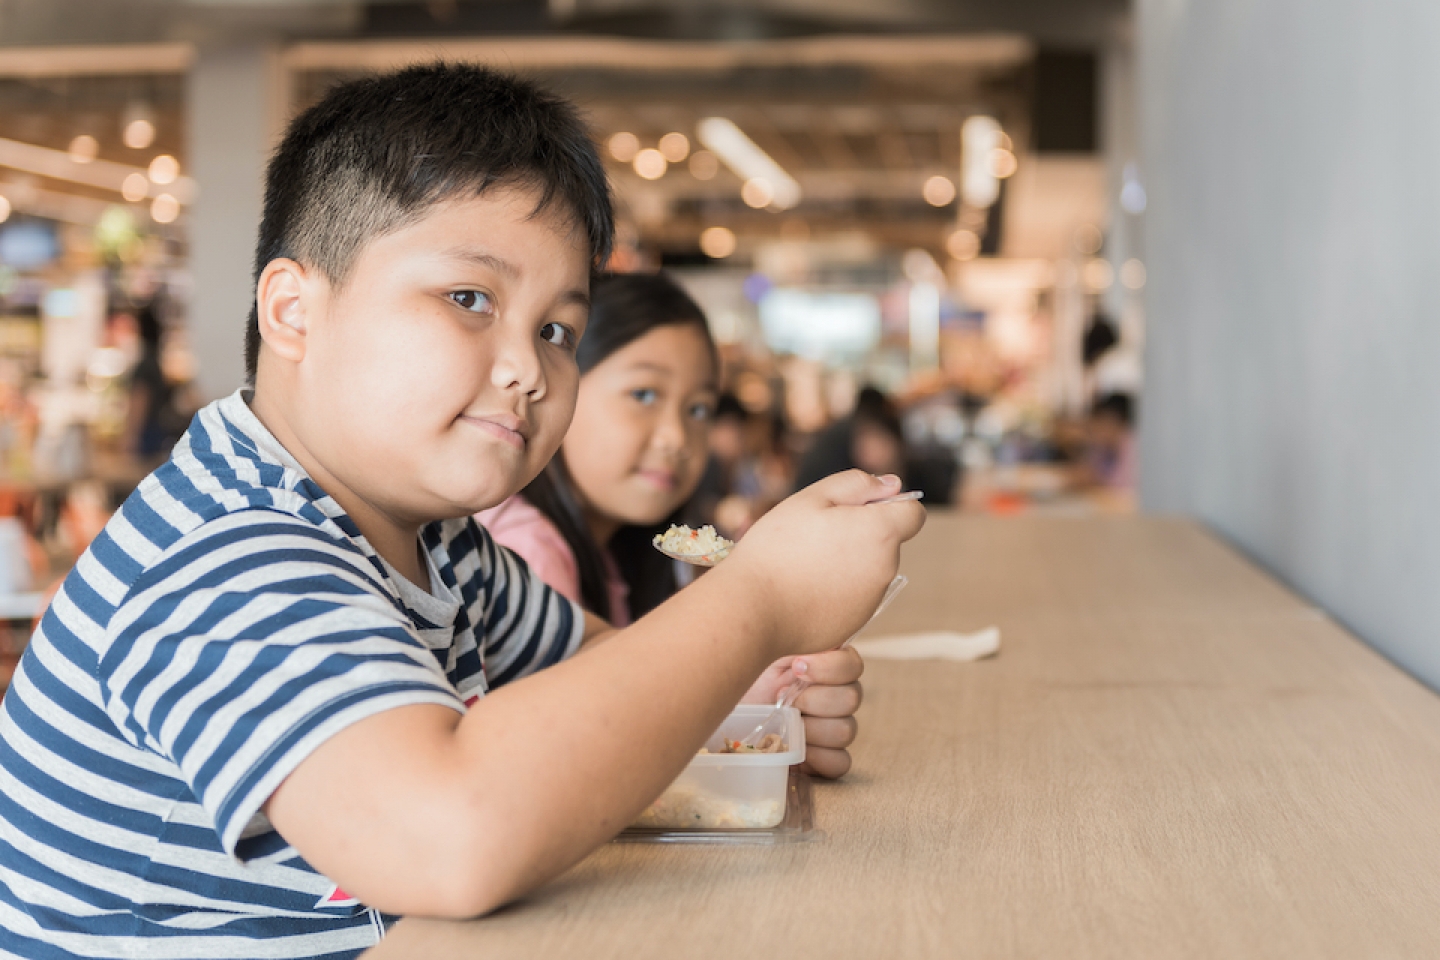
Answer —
517 367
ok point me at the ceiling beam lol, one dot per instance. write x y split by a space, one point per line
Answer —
121 59
998 50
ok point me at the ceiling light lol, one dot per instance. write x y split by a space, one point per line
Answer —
750 163
137 125
139 134
717 242
624 146
1003 163
102 174
164 208
1098 275
963 245
704 165
675 146
83 148
650 163
939 191
757 193
135 187
164 169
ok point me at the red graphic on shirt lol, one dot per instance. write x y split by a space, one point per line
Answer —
336 898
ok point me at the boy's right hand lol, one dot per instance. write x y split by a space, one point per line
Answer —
822 558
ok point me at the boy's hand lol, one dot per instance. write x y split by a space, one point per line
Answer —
828 704
820 561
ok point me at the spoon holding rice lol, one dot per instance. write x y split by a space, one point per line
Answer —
703 547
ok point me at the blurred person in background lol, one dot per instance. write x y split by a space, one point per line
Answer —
749 469
153 421
1109 459
869 438
728 429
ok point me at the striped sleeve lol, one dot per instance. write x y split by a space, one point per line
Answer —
525 625
247 645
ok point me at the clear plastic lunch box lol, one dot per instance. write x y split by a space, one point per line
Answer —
718 791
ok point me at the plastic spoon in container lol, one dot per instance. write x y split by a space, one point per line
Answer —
705 548
775 721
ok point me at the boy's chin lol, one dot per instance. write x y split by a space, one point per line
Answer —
465 503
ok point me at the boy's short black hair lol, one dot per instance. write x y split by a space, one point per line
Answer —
375 153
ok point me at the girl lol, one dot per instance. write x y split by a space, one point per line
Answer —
634 454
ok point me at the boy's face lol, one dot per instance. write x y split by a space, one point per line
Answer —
440 377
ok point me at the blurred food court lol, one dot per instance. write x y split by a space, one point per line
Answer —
916 247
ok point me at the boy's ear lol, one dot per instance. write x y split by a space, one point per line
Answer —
283 298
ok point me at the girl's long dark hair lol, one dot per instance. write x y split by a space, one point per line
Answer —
623 308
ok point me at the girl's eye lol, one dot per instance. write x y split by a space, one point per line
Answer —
557 334
474 301
701 412
645 395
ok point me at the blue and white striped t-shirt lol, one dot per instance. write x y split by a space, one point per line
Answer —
227 621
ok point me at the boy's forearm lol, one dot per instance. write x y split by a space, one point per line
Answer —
599 736
540 772
596 630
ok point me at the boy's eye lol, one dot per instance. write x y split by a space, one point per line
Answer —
557 334
702 412
474 301
645 395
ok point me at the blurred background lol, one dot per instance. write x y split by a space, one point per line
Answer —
1041 257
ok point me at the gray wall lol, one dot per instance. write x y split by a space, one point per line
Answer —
236 108
1292 396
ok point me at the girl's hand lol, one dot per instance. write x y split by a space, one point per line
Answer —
828 705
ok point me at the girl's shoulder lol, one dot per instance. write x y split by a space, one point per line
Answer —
513 514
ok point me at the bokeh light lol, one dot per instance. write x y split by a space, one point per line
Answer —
717 242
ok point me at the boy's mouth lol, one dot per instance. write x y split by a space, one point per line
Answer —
502 426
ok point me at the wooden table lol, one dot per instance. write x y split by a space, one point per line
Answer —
1172 756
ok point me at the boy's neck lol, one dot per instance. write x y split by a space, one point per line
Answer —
398 543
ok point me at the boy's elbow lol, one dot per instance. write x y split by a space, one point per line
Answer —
480 869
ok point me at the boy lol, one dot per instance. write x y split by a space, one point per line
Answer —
274 706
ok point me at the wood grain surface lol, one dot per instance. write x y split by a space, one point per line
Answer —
1171 756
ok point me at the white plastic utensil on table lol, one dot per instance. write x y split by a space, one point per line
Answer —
907 495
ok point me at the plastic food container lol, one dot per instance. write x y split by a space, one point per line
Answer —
731 790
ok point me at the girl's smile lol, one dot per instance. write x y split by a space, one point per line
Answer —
661 479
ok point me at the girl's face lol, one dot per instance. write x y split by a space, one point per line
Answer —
637 445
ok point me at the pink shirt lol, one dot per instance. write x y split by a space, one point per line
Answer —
529 533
